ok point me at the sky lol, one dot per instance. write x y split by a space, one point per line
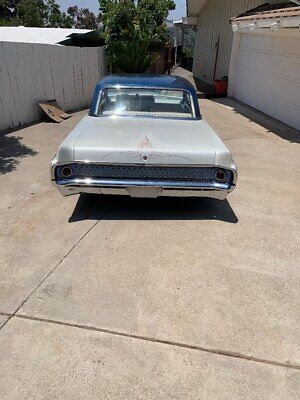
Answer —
93 5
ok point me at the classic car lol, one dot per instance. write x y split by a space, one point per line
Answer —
144 137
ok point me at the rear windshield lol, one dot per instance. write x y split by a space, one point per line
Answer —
145 102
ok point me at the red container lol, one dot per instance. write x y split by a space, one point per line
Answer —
220 86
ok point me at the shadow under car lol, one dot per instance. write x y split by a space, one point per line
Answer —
97 207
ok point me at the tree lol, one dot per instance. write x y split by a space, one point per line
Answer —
31 12
130 27
153 13
67 21
52 15
8 9
37 13
8 13
124 19
119 19
82 18
47 13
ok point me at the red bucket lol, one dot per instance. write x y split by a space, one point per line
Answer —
220 86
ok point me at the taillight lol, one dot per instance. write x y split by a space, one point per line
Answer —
220 175
66 172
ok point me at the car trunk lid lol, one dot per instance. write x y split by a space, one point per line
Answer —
137 140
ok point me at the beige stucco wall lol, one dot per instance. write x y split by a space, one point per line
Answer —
213 23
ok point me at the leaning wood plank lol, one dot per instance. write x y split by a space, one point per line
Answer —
52 109
61 114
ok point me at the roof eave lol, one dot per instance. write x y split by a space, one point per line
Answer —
273 24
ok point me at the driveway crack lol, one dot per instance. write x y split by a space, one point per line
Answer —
226 353
82 237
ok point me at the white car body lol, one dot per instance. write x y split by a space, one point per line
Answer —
144 157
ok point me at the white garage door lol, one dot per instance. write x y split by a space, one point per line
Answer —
268 75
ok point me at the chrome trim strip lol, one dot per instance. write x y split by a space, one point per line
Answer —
138 183
114 116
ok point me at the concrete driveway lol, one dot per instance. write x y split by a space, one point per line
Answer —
119 298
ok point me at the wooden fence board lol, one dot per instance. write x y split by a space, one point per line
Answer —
6 100
33 73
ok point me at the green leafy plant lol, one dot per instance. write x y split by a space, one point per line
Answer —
152 14
132 56
130 27
122 18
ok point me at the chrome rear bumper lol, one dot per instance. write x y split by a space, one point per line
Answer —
146 189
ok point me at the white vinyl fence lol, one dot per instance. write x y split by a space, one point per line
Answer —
32 73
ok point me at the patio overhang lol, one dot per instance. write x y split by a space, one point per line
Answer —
186 21
193 7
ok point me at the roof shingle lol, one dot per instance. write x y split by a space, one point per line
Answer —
277 13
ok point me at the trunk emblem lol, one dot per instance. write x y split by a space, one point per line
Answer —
146 144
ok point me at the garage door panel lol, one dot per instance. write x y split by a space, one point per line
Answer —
255 81
271 64
268 100
267 76
285 45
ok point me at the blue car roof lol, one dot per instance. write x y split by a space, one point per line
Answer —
146 81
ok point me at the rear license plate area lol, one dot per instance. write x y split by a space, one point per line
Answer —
136 191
